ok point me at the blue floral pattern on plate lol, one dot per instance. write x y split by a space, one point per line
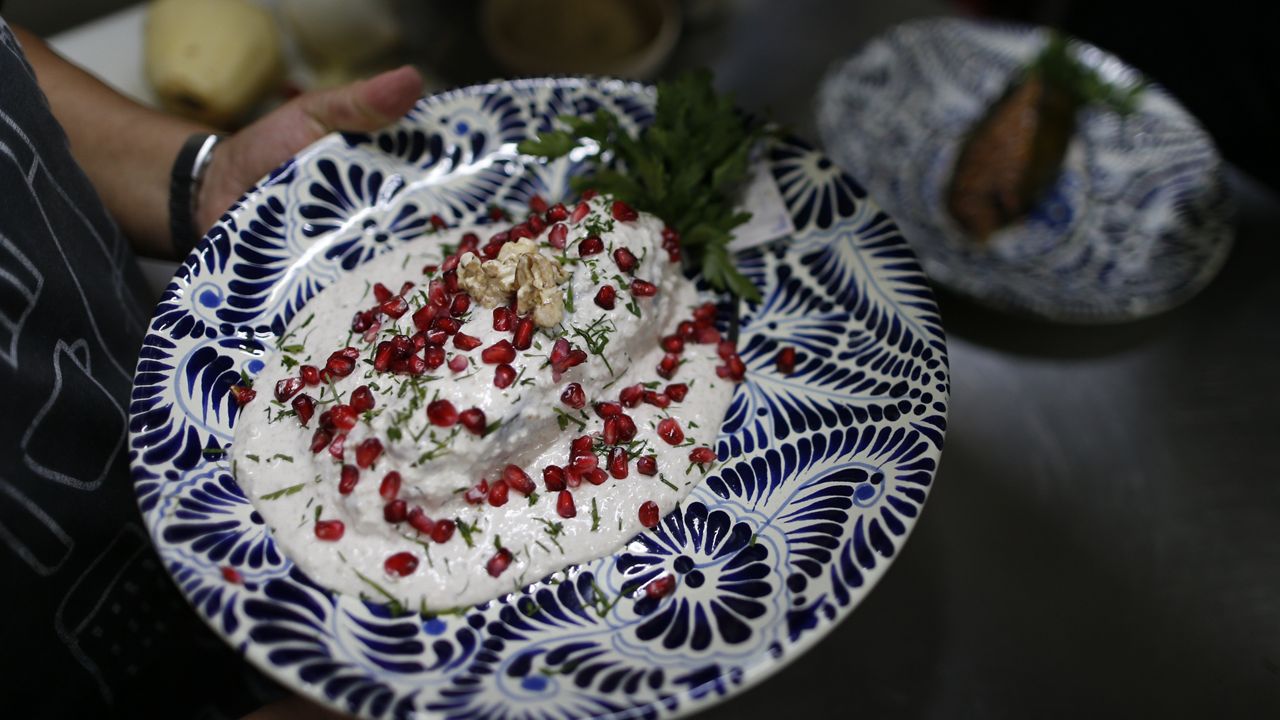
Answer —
824 470
1138 221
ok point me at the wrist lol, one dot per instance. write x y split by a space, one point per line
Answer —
186 190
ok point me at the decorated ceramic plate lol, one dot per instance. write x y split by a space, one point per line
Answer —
822 472
1136 223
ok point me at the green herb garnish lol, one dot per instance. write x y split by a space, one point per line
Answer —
285 492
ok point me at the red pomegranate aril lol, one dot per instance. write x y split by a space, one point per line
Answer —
737 368
337 447
503 318
559 351
382 356
496 213
522 339
725 349
433 357
395 511
573 396
687 330
558 236
443 531
592 245
460 305
626 428
581 445
232 575
503 376
647 465
436 338
320 440
326 421
424 316
451 262
402 564
500 352
419 521
625 259
517 479
348 479
473 420
702 455
705 313
536 224
401 346
676 391
520 231
608 409
361 321
631 395
287 388
537 204
618 461
553 478
557 212
415 365
706 335
419 340
564 505
610 433
786 360
580 211
304 406
470 241
463 341
673 254
381 293
389 488
492 248
396 307
329 530
673 344
668 366
447 324
669 430
343 417
458 363
431 268
310 375
584 463
442 413
362 399
437 221
660 587
657 399
649 514
499 563
339 365
436 294
606 296
573 476
643 288
368 452
597 477
623 212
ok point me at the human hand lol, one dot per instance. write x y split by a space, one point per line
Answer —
242 159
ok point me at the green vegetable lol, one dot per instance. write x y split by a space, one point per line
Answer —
687 168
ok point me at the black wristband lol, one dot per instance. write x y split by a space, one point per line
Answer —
184 185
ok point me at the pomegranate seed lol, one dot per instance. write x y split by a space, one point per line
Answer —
340 365
441 413
676 391
362 399
347 481
579 212
610 434
419 521
518 232
368 452
631 395
647 465
559 351
553 478
395 511
361 321
433 357
243 395
673 344
344 417
572 476
707 335
517 479
437 222
673 254
705 313
503 376
585 463
557 212
390 486
669 430
536 224
523 336
304 406
500 352
442 531
725 349
382 356
381 293
450 279
558 235
597 477
657 399
537 204
326 420
477 493
460 305
617 464
401 346
786 360
606 296
576 357
737 368
414 365
473 420
231 575
436 294
670 236
496 213
686 329
330 530
424 316
564 505
463 341
625 259
649 514
310 375
623 211
668 366
573 396
492 248
336 448
320 440
643 288
287 388
447 324
429 268
580 445
608 409
395 307
458 363
402 564
702 455
499 563
420 340
626 428
660 587
503 318
590 246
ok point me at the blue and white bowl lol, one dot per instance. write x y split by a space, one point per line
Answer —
822 475
1137 223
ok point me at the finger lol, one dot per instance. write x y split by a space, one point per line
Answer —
366 105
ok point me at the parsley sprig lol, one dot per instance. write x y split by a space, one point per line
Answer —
687 168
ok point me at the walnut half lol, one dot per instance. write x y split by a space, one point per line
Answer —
519 271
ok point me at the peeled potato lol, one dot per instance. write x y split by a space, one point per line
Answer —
211 60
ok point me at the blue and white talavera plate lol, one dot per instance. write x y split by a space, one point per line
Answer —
1137 223
822 473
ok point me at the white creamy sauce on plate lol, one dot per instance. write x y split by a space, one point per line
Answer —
528 425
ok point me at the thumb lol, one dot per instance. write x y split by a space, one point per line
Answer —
365 105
